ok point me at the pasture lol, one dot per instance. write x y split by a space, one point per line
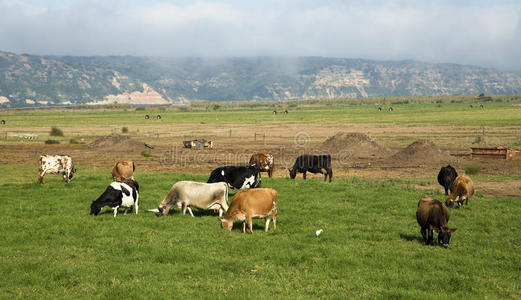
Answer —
371 244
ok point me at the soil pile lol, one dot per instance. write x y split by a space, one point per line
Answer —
116 142
359 145
421 152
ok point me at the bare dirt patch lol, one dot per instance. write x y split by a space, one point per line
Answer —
420 153
116 142
359 145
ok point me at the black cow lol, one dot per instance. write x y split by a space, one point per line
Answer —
446 178
237 177
116 195
314 164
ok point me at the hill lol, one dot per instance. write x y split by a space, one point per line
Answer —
32 80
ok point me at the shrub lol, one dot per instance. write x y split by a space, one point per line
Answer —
52 142
55 131
140 108
124 130
146 153
74 141
472 169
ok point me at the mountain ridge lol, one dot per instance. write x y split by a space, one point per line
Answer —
46 80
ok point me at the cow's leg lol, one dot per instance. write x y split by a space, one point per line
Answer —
467 201
183 207
429 239
330 171
126 210
267 225
250 223
40 177
244 226
304 175
274 216
115 210
220 212
137 206
446 190
190 210
269 173
424 234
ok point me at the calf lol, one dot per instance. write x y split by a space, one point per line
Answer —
56 164
434 215
123 170
446 178
314 164
463 190
249 204
117 194
264 161
237 177
201 195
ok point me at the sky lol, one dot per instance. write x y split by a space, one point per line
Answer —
483 33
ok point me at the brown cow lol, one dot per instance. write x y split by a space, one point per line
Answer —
123 170
249 204
264 161
434 215
463 190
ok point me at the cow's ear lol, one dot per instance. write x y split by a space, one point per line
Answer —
453 230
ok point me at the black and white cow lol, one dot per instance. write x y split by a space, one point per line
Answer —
237 177
314 164
116 195
56 164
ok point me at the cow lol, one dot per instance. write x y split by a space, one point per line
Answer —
123 170
116 195
314 164
391 108
434 215
470 106
237 177
56 164
264 161
463 190
249 204
380 108
274 112
184 194
286 112
2 122
147 117
481 106
158 117
446 178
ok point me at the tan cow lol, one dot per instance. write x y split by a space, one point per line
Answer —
264 161
249 204
197 194
123 170
463 190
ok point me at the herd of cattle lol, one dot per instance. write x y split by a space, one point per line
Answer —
252 201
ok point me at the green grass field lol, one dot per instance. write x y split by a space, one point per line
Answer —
370 248
458 114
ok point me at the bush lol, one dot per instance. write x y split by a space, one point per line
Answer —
146 153
74 141
124 130
55 131
472 169
52 142
140 108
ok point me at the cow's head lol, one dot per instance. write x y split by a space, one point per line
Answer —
450 202
162 209
226 224
95 209
73 170
444 236
292 173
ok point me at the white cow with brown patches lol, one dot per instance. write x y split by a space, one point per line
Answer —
249 204
56 164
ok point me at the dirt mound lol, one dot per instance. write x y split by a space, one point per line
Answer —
359 145
421 152
116 142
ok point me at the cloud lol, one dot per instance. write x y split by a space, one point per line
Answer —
469 32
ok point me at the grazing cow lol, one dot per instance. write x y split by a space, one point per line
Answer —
391 108
264 161
446 178
123 170
116 195
158 117
2 122
249 204
286 112
434 215
197 194
274 112
380 108
237 177
147 117
470 106
463 190
56 164
314 164
481 106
